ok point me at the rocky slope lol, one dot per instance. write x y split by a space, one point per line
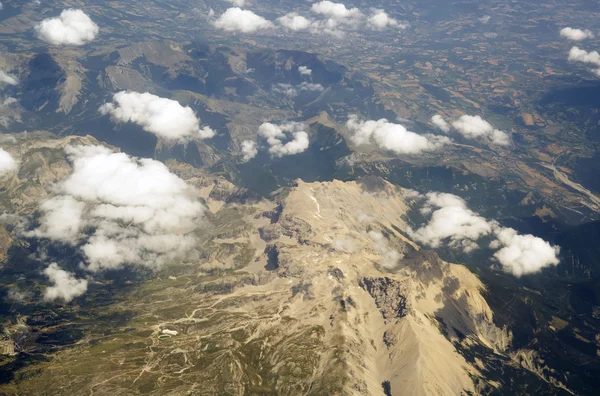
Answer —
319 291
365 282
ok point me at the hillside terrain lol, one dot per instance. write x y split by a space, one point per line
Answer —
318 289
299 198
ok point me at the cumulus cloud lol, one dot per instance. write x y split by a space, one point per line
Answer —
237 3
335 10
392 137
63 219
7 162
389 256
8 139
16 295
121 210
440 123
292 91
293 133
578 55
305 71
249 150
72 27
295 22
523 254
65 286
6 116
576 34
380 20
452 221
237 20
305 86
285 89
336 19
8 78
484 19
163 117
475 127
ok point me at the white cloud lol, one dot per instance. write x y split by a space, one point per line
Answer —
484 19
452 220
237 3
8 139
294 133
389 256
292 91
393 137
249 150
62 219
6 116
380 20
475 127
305 86
576 34
285 89
335 10
163 117
295 22
237 20
73 27
523 254
411 194
16 295
336 19
345 245
579 55
121 210
66 287
305 71
440 123
8 78
7 162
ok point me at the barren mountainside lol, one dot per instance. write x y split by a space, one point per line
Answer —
282 197
316 291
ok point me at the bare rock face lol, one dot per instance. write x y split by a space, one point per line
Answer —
5 242
426 264
271 232
389 295
295 228
388 318
42 162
